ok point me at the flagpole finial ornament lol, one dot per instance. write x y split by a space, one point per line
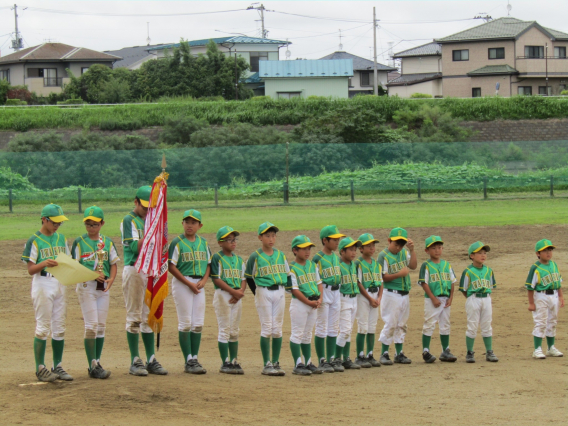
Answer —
164 165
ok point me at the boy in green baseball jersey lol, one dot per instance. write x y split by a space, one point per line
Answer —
476 284
349 291
396 261
545 297
97 252
267 269
228 274
436 278
48 294
189 263
307 294
134 286
368 300
327 323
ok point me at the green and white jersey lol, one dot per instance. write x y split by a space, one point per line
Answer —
230 269
268 270
438 276
328 267
369 274
393 263
191 258
477 280
544 277
132 232
84 251
305 278
40 247
348 278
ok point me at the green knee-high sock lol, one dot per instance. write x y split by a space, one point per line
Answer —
320 347
223 351
426 341
276 348
360 344
445 340
330 343
57 347
133 345
195 343
148 340
398 348
469 343
550 341
338 351
39 352
537 342
265 349
384 348
307 352
90 350
296 353
370 343
233 350
346 350
99 347
488 341
185 344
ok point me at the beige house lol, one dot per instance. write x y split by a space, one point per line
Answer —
507 57
420 72
43 68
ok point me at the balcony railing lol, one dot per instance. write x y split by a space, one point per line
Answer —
556 66
52 81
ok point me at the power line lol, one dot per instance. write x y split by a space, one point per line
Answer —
319 17
72 12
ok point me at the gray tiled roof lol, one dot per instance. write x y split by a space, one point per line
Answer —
221 40
408 79
359 63
494 69
130 55
429 49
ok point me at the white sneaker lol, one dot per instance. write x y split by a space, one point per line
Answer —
552 351
538 354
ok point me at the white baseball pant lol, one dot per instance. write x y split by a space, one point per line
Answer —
190 307
327 322
433 315
395 310
228 316
346 319
367 316
134 290
50 306
479 314
270 305
546 315
94 306
302 318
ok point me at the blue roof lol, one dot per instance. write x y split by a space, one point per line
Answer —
306 68
225 40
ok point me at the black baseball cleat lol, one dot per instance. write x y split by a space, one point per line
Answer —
301 370
469 358
401 359
227 368
447 356
155 367
373 361
428 357
98 372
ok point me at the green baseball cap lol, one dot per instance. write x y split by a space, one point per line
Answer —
265 227
432 239
330 231
367 239
543 244
192 213
94 213
143 194
54 213
302 241
348 242
477 246
225 231
398 234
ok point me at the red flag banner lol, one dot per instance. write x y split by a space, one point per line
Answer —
153 256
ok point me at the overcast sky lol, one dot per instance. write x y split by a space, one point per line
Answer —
404 23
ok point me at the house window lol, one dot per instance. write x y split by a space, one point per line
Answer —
534 51
288 95
5 75
497 53
560 52
460 55
476 92
365 78
350 82
542 90
35 72
84 70
255 58
525 90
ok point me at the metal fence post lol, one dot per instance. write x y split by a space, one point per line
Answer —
419 189
286 193
216 196
80 201
352 193
552 186
10 200
485 188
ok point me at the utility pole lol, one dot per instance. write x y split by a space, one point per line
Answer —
375 74
261 9
546 66
17 43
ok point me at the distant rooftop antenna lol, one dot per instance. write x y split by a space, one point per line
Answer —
509 7
340 44
148 31
288 53
483 16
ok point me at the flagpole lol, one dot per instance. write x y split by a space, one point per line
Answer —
164 165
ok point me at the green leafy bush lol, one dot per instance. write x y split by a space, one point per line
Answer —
177 131
4 87
120 125
564 93
12 180
420 95
72 101
14 102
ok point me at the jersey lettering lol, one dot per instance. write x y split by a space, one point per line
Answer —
48 252
331 272
395 267
481 283
191 256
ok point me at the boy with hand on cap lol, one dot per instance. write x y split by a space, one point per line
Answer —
349 291
189 263
476 284
396 261
91 250
545 297
48 294
228 275
436 278
368 300
327 322
307 293
268 269
134 286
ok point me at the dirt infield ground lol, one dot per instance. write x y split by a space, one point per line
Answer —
516 390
